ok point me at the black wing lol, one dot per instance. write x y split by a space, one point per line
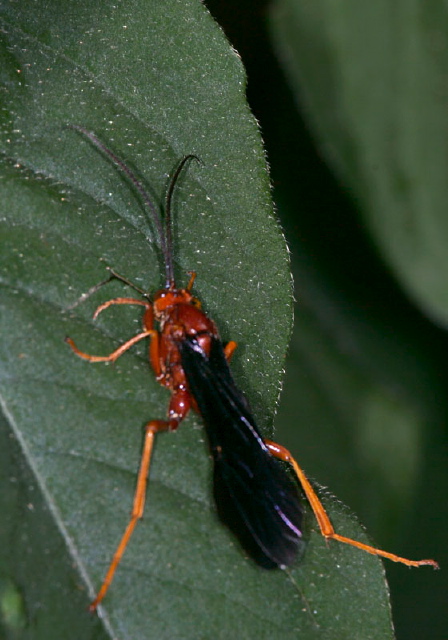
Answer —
255 496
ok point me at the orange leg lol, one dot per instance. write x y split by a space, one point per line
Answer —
229 350
154 355
138 505
322 518
192 275
115 354
178 409
109 303
149 331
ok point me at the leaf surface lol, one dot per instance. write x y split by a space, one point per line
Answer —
155 81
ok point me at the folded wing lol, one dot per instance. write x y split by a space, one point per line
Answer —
255 496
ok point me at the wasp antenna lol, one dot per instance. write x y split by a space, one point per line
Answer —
135 181
169 268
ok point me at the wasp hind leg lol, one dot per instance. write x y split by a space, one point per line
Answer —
323 520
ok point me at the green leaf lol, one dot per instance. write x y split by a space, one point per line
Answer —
371 78
155 80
